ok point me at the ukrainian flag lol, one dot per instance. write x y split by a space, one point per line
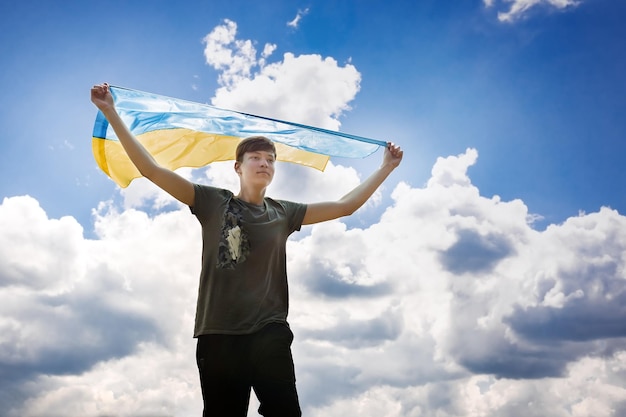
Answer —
181 133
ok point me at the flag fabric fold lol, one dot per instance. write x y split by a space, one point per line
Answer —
181 133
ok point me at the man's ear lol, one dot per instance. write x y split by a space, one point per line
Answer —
237 167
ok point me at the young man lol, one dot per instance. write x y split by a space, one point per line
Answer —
244 341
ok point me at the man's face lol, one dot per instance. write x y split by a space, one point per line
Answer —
257 167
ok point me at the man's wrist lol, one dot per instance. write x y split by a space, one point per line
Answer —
387 167
108 111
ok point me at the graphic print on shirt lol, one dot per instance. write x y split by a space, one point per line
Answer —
234 244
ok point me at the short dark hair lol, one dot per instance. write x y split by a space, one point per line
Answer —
253 144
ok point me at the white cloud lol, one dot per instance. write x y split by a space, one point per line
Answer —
519 8
445 304
235 58
296 20
306 89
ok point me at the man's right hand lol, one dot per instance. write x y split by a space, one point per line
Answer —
101 97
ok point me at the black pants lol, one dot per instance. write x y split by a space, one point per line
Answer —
230 365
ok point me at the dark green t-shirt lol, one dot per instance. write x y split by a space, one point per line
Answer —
243 283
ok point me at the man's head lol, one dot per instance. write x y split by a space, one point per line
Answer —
254 144
255 157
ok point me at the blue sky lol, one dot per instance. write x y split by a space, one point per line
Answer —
488 271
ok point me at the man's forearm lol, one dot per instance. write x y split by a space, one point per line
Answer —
361 193
137 153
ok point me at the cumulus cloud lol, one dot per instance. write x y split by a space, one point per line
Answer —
477 292
234 58
70 305
306 88
519 8
393 316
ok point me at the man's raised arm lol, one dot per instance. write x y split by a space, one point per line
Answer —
349 203
175 185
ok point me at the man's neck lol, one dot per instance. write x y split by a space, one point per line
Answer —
251 196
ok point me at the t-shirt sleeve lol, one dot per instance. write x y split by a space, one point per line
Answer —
295 214
206 199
